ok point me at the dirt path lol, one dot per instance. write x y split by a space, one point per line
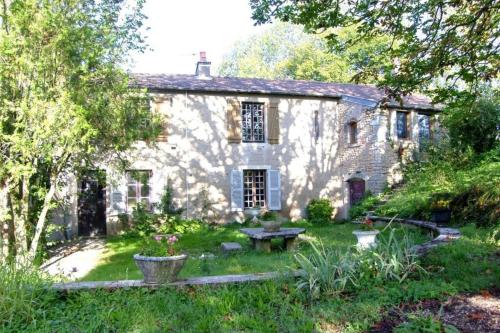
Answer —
74 260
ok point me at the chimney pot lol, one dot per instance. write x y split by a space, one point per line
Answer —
203 56
203 67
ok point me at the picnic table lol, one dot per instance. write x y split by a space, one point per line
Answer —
261 240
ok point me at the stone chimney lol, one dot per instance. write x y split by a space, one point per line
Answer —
203 67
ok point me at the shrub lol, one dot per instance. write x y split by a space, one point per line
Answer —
474 126
143 221
319 211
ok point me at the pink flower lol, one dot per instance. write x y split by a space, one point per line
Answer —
172 240
158 238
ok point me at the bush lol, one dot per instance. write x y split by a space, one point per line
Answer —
474 126
319 211
143 221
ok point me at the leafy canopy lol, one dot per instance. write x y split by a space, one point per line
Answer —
65 101
456 41
285 51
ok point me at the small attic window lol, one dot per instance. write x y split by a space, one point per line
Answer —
353 132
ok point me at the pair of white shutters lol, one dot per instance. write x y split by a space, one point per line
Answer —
273 190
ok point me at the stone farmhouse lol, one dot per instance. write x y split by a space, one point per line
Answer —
229 144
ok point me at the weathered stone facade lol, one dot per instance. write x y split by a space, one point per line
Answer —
314 157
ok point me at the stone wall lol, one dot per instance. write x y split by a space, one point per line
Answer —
198 159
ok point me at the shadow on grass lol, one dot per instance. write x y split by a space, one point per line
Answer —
117 262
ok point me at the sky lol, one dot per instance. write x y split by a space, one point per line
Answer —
180 29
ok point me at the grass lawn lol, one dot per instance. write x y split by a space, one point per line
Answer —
469 264
118 264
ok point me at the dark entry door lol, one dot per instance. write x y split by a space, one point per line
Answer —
356 190
92 204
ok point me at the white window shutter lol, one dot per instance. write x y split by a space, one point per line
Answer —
236 190
274 189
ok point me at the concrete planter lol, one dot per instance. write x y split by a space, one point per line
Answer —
159 270
366 239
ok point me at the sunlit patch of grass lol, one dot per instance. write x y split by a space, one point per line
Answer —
117 262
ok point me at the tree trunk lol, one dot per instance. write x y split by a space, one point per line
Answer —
4 223
42 219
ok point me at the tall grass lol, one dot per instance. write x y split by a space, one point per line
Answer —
23 293
330 272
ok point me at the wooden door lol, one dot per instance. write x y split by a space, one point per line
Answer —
356 190
92 204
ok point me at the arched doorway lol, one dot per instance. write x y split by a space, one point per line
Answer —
356 190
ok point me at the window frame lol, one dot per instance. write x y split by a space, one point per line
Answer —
260 199
252 123
407 125
138 189
353 132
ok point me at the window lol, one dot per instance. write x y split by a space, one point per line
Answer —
402 124
353 132
254 188
252 122
138 188
424 127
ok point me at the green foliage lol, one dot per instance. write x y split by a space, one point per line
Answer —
319 211
469 264
367 202
451 41
143 221
330 272
65 100
475 126
419 323
23 294
471 184
327 272
284 51
269 216
166 205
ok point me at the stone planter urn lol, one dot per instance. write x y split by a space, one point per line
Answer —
366 239
253 213
270 226
160 270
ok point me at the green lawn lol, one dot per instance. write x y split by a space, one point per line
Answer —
117 262
469 264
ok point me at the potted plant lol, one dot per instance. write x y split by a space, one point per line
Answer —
158 260
269 220
440 209
367 235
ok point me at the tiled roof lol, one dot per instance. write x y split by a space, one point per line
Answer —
271 87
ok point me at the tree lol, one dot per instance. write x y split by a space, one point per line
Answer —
285 51
261 55
64 100
457 41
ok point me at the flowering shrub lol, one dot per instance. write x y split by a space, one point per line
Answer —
160 246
